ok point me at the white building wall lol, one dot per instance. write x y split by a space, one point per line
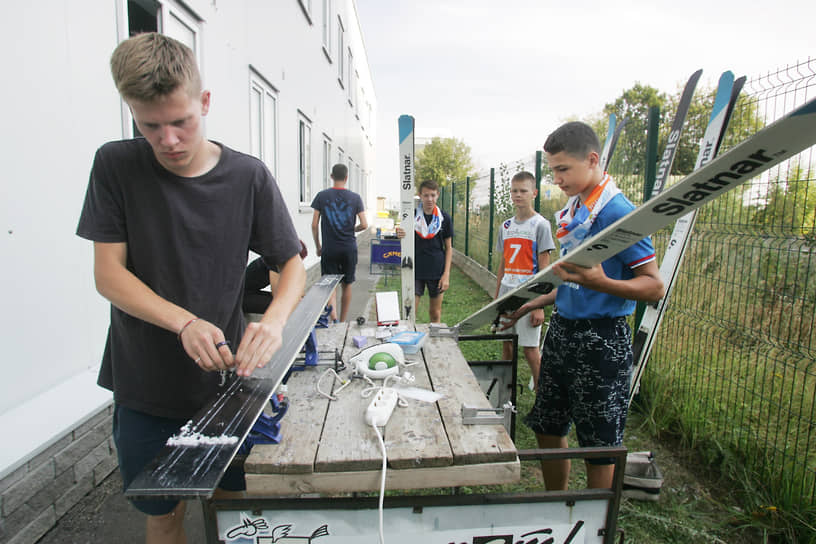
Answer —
59 104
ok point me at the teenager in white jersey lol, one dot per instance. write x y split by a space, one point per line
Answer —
525 241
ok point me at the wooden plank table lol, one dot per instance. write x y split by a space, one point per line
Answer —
328 448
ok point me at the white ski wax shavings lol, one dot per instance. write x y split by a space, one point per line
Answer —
189 438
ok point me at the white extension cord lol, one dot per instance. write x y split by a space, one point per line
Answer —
377 415
381 406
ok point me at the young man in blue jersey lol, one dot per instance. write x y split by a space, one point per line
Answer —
586 357
524 242
338 215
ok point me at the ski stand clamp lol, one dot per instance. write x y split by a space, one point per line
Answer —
472 415
435 330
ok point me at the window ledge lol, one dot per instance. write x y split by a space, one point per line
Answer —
328 55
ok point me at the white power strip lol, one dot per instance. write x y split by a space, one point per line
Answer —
381 407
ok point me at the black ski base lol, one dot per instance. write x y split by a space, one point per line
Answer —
186 472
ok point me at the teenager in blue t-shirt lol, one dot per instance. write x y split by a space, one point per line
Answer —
340 214
586 357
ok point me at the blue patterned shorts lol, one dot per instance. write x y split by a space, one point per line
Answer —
586 370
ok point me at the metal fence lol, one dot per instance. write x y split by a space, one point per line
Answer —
733 366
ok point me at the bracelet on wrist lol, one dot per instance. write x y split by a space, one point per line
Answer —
181 330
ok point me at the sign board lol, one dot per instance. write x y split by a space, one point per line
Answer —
559 522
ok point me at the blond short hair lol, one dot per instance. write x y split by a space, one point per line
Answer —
150 66
524 175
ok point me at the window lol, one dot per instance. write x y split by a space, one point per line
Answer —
350 77
306 6
327 10
263 119
327 161
181 28
340 39
304 157
340 154
356 94
361 100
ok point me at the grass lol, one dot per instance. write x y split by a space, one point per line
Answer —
697 503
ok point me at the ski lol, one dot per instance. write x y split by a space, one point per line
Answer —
407 212
610 133
725 100
611 141
773 144
193 471
672 142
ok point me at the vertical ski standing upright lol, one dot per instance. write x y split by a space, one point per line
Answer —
407 212
725 100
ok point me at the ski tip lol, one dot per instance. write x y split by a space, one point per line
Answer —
724 93
406 127
691 84
727 78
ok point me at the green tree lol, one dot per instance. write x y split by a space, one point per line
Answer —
634 105
790 206
444 160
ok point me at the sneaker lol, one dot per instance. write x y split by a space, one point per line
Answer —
638 494
642 478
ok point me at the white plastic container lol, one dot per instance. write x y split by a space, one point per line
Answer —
409 341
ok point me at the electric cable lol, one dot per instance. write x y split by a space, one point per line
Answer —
343 384
382 481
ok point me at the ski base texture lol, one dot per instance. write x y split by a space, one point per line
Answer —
773 144
186 472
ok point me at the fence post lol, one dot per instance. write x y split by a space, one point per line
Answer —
538 181
649 181
651 152
467 215
492 209
453 207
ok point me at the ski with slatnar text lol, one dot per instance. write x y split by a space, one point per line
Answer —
773 144
193 468
725 100
407 212
672 142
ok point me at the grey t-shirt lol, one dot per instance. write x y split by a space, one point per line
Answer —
188 240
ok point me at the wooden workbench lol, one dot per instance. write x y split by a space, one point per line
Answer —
328 448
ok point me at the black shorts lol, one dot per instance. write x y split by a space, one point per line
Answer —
586 370
433 288
139 437
341 263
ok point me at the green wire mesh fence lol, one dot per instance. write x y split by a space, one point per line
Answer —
732 370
